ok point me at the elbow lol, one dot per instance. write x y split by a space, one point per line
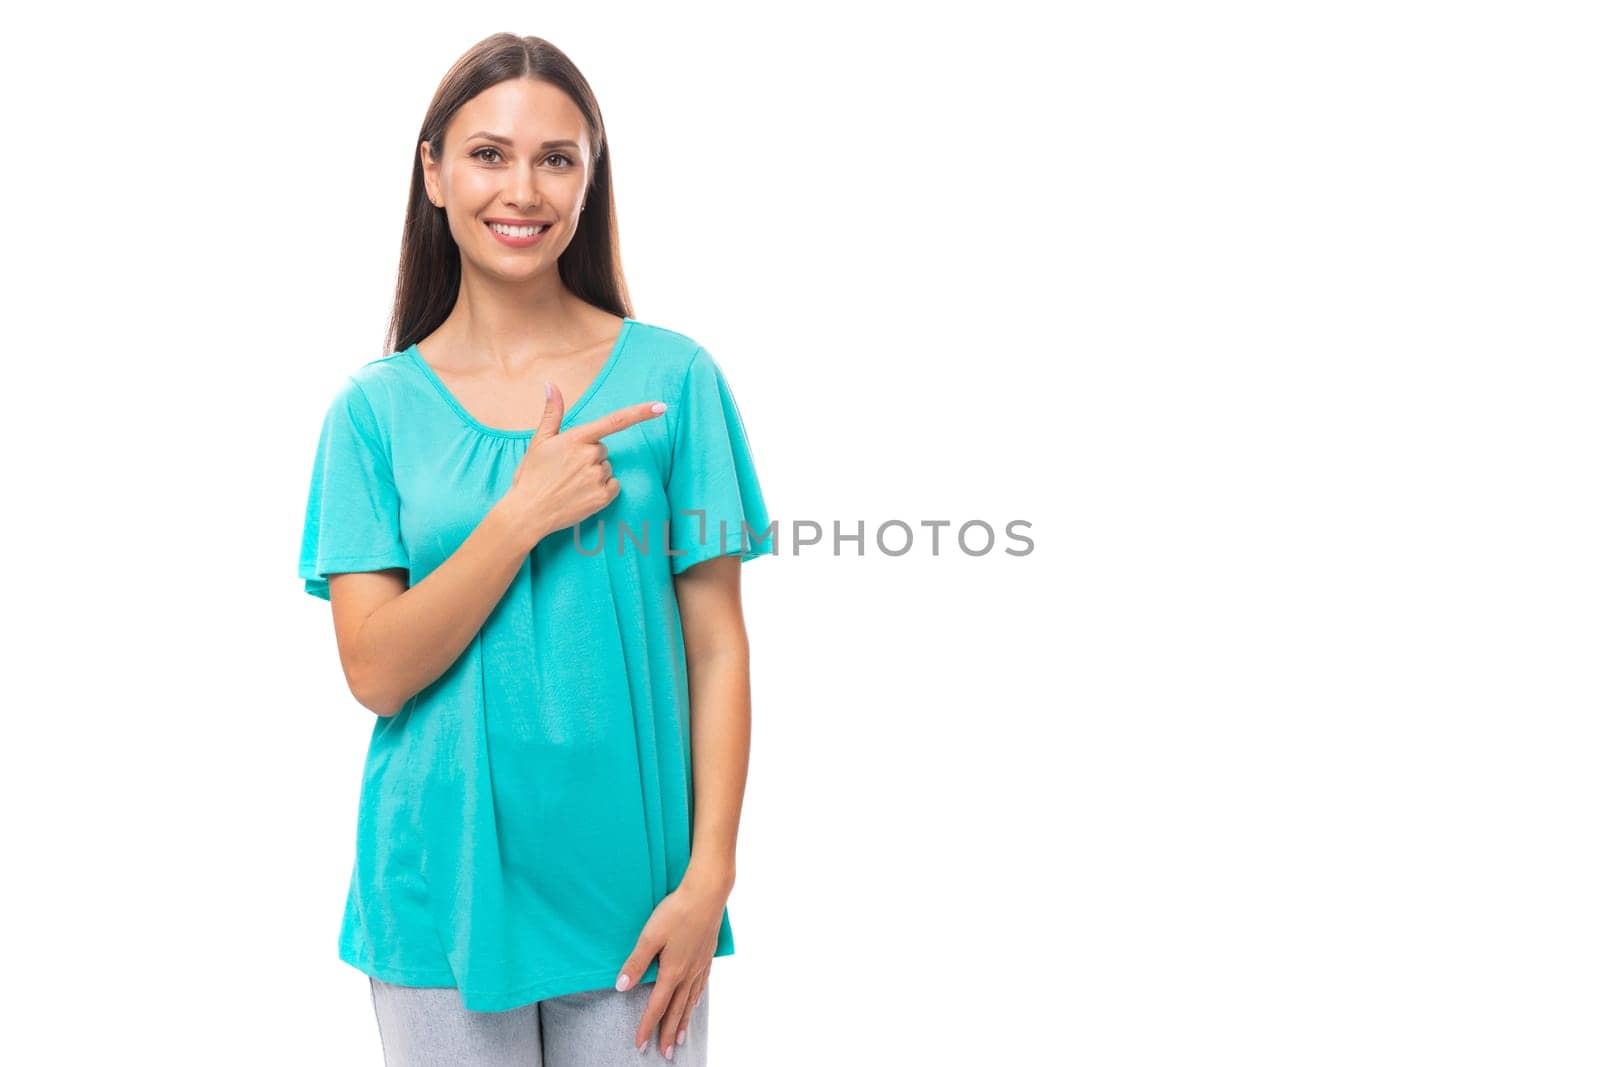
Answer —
368 681
372 696
384 709
379 704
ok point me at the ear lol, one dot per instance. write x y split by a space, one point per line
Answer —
430 173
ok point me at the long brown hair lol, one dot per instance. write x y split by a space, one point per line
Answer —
430 261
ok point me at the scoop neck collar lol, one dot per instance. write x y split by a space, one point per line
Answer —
415 356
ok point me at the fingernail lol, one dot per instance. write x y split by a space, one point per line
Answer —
669 1051
658 407
547 390
642 1045
683 1035
622 983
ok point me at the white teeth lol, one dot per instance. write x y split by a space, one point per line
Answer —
517 231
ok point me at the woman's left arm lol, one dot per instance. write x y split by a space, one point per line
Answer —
685 926
718 654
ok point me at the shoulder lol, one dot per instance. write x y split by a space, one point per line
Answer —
686 370
671 350
383 384
368 395
378 377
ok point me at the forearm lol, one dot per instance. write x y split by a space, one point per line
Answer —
410 641
719 702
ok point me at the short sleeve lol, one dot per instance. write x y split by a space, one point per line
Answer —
716 501
353 511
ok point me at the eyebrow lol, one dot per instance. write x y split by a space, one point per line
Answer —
495 137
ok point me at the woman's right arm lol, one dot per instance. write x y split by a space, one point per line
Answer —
394 641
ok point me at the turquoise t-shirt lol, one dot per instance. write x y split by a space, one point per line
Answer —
522 816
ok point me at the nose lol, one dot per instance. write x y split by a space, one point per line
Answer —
523 186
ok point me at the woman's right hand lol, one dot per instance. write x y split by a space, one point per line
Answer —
565 476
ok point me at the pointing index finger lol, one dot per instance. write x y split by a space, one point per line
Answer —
619 419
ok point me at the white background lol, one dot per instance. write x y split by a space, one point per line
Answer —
1276 321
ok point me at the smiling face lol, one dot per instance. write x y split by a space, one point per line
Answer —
516 156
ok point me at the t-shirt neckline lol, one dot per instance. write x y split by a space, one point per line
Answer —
493 431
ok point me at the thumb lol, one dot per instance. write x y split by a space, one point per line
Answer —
644 952
554 408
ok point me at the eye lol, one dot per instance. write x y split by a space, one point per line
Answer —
558 155
477 153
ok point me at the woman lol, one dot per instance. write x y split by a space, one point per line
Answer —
531 585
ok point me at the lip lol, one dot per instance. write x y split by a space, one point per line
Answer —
517 242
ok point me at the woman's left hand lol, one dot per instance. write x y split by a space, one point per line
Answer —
683 931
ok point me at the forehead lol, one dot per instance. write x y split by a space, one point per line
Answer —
523 109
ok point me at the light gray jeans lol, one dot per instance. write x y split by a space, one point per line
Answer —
425 1026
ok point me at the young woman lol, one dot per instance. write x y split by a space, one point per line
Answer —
534 574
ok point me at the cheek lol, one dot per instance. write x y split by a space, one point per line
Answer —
472 192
